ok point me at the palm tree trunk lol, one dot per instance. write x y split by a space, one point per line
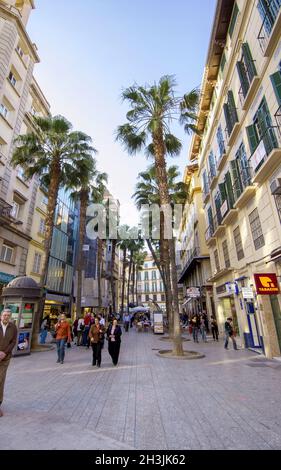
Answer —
156 260
166 267
129 279
80 263
161 173
133 286
55 173
178 350
99 261
123 279
136 284
112 279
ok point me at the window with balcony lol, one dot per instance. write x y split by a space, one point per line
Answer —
212 165
240 170
233 19
6 253
220 142
256 229
268 10
246 70
225 254
238 243
4 110
15 210
206 187
37 263
12 79
230 113
217 261
42 226
261 136
276 83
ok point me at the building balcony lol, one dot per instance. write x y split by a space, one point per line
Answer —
266 157
209 235
245 196
213 178
277 116
206 195
270 30
232 133
243 188
246 95
5 212
218 274
194 257
222 156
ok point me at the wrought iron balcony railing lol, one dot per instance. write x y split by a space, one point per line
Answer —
268 23
268 141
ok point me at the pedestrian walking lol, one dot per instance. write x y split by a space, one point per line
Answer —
102 320
63 335
80 329
229 333
126 321
203 329
44 328
87 323
195 321
96 336
114 333
215 329
8 339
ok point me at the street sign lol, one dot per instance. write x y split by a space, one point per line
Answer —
193 292
266 284
247 293
86 248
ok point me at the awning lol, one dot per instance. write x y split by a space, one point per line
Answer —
186 301
275 255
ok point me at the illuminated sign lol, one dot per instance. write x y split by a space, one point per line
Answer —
266 284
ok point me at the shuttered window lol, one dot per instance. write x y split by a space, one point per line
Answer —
217 261
238 243
233 19
256 229
276 82
225 254
230 112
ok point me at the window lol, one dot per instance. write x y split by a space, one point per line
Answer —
246 69
6 253
217 261
233 19
153 274
238 243
3 110
15 210
277 198
268 10
146 287
45 200
19 50
12 79
42 227
146 265
225 254
146 276
154 287
147 298
212 164
155 297
163 297
230 113
276 83
139 276
37 263
256 229
240 170
223 62
220 141
161 286
206 188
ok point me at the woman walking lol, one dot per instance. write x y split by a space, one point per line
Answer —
96 336
114 333
63 335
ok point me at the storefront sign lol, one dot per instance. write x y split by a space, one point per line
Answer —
266 284
231 287
193 292
247 293
258 155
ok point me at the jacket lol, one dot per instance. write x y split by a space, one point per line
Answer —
228 328
63 331
8 342
96 333
117 333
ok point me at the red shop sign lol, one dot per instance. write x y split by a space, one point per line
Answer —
266 284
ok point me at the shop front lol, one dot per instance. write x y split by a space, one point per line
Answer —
226 307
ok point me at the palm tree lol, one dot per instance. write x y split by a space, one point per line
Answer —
50 152
87 185
146 194
152 111
124 245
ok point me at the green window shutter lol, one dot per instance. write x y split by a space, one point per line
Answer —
223 62
276 82
229 190
210 218
243 77
222 191
251 68
232 107
237 184
227 118
252 138
218 203
233 19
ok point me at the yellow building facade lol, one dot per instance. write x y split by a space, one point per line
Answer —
239 157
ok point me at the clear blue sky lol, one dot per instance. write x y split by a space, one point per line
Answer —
91 49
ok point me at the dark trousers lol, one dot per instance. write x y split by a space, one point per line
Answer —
61 349
114 349
126 326
215 333
85 336
96 347
3 371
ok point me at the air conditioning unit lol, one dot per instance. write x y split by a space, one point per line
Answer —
275 186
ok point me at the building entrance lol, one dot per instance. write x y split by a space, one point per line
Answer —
254 338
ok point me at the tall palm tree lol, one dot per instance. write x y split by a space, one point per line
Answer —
87 185
124 245
50 152
147 193
152 111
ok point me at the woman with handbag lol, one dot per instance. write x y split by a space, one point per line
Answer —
114 333
96 336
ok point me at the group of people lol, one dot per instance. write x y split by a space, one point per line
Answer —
96 334
199 323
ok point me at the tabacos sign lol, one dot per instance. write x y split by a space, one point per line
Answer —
266 284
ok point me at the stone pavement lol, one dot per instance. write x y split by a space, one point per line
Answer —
228 400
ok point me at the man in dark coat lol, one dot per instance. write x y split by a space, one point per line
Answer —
8 339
